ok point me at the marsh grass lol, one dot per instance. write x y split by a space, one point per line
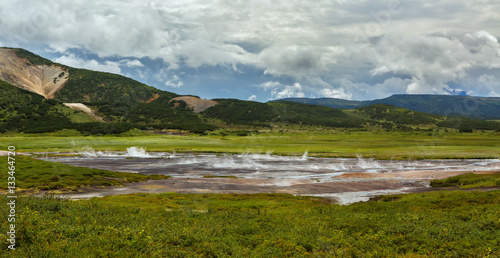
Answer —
342 144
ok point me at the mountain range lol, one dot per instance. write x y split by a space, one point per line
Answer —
38 95
447 105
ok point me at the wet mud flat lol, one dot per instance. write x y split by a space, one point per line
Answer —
342 180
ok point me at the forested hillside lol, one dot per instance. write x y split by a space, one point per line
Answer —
124 104
447 105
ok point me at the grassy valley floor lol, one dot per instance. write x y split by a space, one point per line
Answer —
380 145
435 224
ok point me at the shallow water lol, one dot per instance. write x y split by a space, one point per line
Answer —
279 171
362 196
137 160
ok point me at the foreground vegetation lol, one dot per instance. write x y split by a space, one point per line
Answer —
459 224
43 175
380 145
470 180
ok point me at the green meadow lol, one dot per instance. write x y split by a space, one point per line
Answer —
435 224
33 174
378 144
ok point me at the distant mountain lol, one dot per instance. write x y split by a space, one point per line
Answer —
472 107
396 115
38 95
70 84
329 102
122 102
233 111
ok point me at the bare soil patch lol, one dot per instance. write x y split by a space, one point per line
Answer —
87 110
198 105
41 79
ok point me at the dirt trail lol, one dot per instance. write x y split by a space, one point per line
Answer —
41 79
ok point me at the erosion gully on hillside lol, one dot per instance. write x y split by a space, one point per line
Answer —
342 180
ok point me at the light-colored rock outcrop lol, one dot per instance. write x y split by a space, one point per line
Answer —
87 110
41 79
198 105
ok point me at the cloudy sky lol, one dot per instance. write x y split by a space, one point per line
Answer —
261 50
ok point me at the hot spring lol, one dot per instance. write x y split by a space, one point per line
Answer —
280 171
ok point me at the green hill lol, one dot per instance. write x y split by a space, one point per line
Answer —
254 113
125 104
384 112
98 88
329 102
447 105
473 107
24 111
29 112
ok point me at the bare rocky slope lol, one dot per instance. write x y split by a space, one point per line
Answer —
41 79
125 103
44 80
198 105
85 109
121 102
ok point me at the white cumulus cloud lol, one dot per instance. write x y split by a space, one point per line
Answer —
73 61
339 93
133 63
381 47
281 91
433 61
174 82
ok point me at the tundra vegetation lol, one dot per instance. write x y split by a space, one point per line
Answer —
437 224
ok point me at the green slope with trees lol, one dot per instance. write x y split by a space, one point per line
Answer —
329 102
447 105
468 106
123 102
384 112
234 111
126 104
24 111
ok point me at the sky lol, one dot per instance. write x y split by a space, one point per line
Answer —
263 50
